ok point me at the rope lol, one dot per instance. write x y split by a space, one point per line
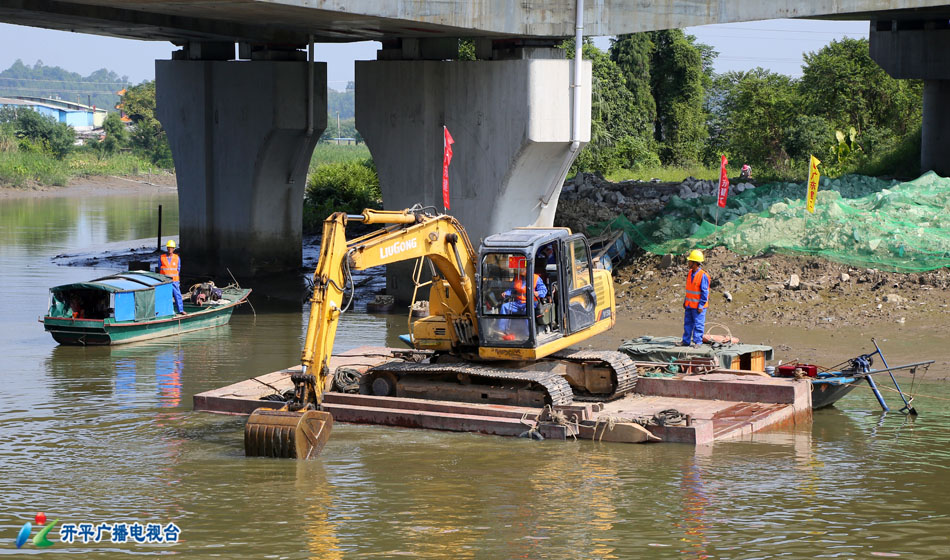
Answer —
722 326
911 397
560 418
277 396
347 379
609 423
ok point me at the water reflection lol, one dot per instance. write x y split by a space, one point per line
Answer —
78 222
316 492
695 501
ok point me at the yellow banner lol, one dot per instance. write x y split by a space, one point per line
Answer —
813 177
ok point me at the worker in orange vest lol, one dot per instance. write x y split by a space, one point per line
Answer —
518 292
170 265
697 299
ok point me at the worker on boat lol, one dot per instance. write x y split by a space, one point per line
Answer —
170 265
697 299
517 293
75 306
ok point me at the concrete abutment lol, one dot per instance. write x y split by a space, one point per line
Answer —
511 122
239 137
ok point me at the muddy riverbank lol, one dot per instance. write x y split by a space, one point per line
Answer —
99 185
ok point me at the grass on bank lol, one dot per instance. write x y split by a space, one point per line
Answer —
19 168
326 153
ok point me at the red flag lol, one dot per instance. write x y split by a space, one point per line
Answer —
723 183
446 159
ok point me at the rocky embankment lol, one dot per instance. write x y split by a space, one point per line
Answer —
590 199
770 289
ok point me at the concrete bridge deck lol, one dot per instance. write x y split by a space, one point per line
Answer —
292 21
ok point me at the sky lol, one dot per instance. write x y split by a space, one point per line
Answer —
777 45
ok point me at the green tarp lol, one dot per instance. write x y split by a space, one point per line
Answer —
860 221
145 305
663 349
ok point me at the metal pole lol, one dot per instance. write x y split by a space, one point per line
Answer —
907 406
877 393
159 227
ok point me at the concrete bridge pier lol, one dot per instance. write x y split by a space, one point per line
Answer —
241 136
510 118
908 49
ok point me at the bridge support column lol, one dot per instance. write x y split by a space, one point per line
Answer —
918 50
239 136
511 122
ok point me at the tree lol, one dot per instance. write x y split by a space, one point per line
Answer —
677 79
98 88
757 107
117 135
148 136
631 54
618 139
844 85
41 133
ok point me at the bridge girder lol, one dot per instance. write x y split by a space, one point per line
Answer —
292 22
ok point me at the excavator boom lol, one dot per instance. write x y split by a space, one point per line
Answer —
300 429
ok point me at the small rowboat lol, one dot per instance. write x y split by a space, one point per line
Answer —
129 307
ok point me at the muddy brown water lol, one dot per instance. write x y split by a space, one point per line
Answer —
107 435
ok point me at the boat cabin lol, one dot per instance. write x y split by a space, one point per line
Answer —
126 296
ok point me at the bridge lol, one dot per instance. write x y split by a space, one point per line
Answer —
243 105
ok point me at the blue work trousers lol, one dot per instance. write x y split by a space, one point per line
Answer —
512 308
694 325
176 294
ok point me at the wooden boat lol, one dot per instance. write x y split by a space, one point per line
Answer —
828 389
129 307
609 248
830 386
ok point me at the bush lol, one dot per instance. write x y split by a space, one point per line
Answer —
39 133
19 168
348 186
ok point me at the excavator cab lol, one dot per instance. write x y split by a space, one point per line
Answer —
536 286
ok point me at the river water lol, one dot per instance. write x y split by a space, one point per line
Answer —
107 436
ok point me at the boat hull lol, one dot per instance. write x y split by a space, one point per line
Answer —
825 394
80 332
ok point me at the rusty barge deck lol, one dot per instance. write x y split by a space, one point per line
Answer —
714 406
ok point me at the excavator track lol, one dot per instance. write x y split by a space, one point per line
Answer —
624 370
557 389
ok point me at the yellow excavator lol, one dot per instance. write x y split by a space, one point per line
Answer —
500 323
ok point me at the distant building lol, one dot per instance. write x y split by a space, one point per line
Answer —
80 117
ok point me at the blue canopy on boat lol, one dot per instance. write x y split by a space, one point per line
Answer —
121 282
137 295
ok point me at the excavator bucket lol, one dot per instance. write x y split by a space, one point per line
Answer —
285 434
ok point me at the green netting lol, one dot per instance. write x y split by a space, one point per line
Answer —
860 221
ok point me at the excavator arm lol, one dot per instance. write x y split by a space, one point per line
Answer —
300 429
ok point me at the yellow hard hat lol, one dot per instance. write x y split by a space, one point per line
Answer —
171 243
695 255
